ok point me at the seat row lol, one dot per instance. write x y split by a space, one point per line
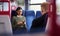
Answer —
30 16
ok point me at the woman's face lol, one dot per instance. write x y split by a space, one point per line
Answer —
19 12
44 10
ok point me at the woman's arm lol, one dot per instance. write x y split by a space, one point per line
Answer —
13 22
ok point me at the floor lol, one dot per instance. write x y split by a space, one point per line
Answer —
35 34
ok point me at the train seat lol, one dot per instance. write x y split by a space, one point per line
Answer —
30 15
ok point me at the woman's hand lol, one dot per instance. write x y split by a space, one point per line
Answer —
20 22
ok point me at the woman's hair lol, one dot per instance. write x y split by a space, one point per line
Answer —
18 8
44 5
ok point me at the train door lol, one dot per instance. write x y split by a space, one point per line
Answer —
5 24
54 18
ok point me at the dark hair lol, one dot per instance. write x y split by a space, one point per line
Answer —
18 8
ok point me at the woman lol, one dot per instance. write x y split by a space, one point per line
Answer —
41 21
19 20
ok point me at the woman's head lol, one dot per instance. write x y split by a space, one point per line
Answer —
44 7
19 11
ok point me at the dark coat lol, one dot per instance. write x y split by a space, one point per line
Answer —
40 22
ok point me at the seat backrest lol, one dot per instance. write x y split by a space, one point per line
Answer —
13 13
30 15
38 14
23 12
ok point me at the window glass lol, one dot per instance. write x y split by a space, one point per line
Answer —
5 6
35 7
37 1
58 7
21 3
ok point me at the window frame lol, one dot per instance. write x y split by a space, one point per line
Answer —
3 6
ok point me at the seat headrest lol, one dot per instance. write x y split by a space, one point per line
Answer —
29 12
38 14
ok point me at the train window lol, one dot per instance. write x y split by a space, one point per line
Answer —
58 12
21 3
58 7
4 6
17 3
13 5
33 7
35 4
37 1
